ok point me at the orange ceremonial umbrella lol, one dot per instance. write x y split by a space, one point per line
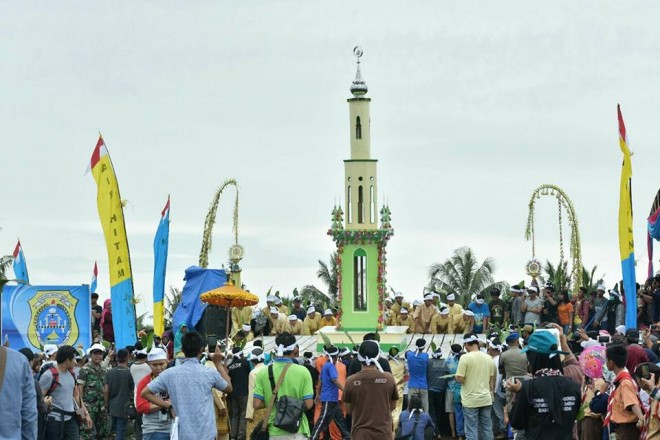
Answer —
229 296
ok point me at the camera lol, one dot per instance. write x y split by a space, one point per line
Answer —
604 339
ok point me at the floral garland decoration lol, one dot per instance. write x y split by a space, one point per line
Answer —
380 237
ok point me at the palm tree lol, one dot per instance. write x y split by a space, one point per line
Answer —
588 280
172 300
311 295
558 275
328 274
463 275
5 262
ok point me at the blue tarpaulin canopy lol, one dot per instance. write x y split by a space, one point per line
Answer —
198 281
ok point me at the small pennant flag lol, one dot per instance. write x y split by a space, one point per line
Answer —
95 274
20 265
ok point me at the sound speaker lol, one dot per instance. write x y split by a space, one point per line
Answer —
215 321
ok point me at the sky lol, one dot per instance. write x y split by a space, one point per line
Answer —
474 105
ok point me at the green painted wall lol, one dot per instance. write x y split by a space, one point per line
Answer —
352 319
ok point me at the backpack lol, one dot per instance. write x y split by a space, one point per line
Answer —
56 379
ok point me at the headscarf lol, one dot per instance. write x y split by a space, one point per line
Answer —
177 338
106 311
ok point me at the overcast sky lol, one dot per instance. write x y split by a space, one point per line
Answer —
474 104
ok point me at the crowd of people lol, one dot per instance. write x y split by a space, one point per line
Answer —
513 372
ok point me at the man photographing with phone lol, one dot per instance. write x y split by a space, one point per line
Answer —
190 386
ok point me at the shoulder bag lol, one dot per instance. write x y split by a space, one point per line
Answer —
288 410
260 432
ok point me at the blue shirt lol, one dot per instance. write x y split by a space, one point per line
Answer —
18 399
480 312
406 423
329 391
190 388
417 365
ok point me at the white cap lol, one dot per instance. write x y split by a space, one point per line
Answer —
436 295
246 327
398 295
532 289
403 310
270 298
428 297
156 354
468 312
327 312
278 300
451 297
444 312
51 349
274 311
621 329
293 318
614 292
416 302
601 287
311 310
143 351
90 349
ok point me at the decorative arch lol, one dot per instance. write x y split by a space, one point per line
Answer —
209 222
563 203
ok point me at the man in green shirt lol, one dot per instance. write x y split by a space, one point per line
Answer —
297 383
476 374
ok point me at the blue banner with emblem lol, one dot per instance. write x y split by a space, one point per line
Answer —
33 316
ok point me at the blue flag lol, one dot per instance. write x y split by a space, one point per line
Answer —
20 265
161 244
95 274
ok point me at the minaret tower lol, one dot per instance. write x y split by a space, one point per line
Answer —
360 241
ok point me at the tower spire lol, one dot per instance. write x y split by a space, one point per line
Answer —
358 87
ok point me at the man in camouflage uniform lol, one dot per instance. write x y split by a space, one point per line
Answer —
90 384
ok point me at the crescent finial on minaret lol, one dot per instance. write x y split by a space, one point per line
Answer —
358 87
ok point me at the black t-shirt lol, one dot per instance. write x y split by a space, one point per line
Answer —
497 308
546 408
96 322
120 387
314 374
356 366
239 370
549 313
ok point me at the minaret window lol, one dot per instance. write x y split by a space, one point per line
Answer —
360 205
372 205
360 280
358 128
349 205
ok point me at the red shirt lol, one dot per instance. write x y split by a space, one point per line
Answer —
636 356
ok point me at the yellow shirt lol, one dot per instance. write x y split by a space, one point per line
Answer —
477 370
423 316
279 325
456 309
396 307
408 322
457 324
325 322
440 324
240 316
284 309
311 325
294 328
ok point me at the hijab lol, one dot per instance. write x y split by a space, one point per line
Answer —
177 338
107 313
